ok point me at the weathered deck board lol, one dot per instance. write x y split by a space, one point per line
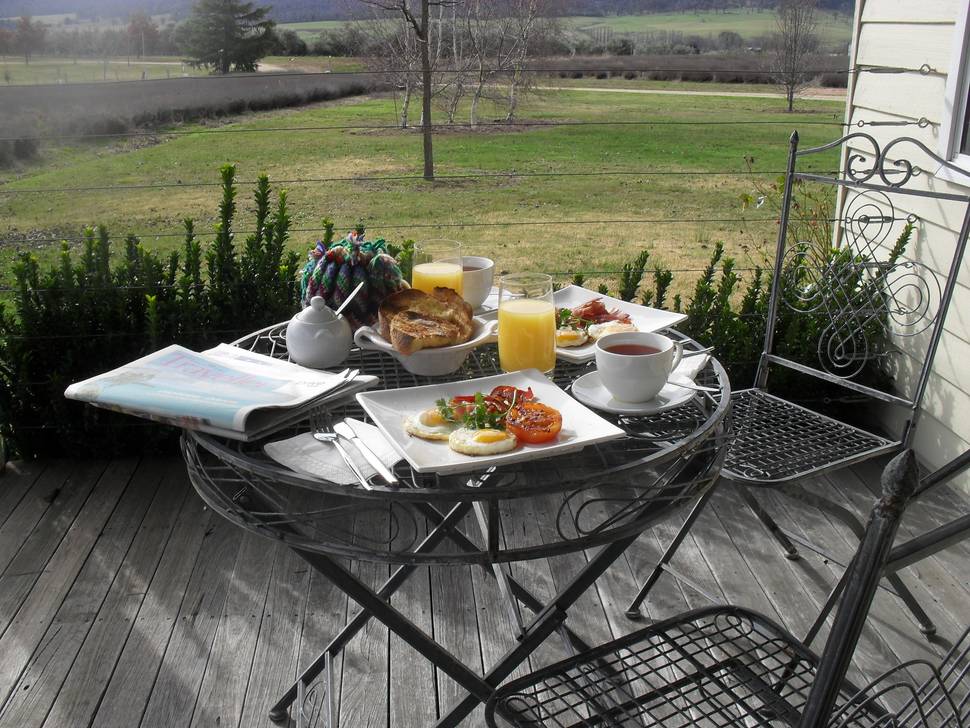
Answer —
41 678
44 591
176 688
147 610
81 692
18 479
130 685
226 680
31 533
874 652
409 675
791 601
278 641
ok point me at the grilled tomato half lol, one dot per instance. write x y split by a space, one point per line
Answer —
533 422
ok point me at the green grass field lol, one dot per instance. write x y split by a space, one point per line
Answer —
14 71
573 211
312 29
747 23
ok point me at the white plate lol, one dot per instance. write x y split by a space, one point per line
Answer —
590 390
388 408
644 318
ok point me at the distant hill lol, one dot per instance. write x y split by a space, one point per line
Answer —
292 11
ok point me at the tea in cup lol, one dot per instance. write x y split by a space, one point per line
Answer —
477 276
634 366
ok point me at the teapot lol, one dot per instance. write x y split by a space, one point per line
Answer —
317 337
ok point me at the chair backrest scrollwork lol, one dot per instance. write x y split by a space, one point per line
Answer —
859 299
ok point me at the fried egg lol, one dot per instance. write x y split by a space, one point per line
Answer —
597 331
481 442
429 425
568 336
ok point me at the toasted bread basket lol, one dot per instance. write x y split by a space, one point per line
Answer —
430 362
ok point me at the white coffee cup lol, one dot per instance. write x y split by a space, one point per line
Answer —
476 280
636 377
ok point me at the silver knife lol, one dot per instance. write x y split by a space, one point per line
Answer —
345 430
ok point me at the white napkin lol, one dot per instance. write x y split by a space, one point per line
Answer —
308 456
689 368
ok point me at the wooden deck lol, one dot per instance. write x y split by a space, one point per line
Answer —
124 602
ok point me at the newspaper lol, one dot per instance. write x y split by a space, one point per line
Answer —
226 391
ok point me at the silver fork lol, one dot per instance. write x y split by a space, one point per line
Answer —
334 439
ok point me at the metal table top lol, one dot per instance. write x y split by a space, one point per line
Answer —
526 510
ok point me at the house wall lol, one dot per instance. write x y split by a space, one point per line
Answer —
909 34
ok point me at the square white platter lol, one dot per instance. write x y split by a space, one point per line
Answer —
645 318
388 409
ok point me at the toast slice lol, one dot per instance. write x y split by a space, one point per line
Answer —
412 320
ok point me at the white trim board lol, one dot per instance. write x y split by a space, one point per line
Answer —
955 99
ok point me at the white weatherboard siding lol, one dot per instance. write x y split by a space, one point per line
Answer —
911 34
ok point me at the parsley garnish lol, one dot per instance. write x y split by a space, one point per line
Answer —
447 413
482 415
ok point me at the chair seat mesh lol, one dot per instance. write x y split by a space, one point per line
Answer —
722 666
775 440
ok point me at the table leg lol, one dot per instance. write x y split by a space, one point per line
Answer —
489 528
633 611
441 531
403 627
559 604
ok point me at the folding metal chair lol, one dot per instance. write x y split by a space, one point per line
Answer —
728 666
919 547
859 305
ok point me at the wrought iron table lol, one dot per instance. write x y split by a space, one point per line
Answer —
603 496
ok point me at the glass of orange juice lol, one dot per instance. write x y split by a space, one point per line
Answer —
437 263
526 322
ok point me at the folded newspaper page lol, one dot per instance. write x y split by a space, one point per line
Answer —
227 391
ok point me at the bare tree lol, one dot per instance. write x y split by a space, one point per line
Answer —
489 30
420 23
30 36
399 59
795 44
503 35
525 16
460 60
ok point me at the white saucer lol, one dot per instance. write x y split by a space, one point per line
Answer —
589 390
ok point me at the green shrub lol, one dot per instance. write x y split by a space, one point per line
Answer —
87 314
721 315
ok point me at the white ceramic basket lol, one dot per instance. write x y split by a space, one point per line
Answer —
430 362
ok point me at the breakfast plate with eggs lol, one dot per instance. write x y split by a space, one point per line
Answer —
576 335
476 424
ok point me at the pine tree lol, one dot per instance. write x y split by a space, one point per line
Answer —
227 35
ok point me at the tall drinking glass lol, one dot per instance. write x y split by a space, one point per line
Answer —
437 263
526 323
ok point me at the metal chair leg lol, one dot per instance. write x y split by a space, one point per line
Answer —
773 528
926 625
848 518
633 611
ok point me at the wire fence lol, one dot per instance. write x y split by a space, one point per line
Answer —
513 174
922 123
924 69
458 225
454 225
